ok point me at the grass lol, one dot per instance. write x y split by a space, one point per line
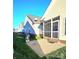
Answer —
23 51
59 54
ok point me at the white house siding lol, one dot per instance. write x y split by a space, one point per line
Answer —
38 28
35 27
57 8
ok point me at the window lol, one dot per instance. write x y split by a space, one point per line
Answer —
56 18
48 33
47 28
55 26
55 34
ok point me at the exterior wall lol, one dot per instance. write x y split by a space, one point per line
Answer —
35 27
57 8
28 29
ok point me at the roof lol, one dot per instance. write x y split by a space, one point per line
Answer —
35 19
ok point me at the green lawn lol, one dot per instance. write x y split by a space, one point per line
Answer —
59 54
23 51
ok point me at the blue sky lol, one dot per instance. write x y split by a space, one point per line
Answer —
22 8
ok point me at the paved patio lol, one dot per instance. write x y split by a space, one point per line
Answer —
43 47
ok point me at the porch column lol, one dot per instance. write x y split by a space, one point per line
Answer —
51 28
43 29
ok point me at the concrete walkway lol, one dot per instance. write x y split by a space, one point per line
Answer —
43 47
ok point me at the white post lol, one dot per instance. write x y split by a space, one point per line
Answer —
43 28
51 28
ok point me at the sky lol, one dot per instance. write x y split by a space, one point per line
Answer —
22 8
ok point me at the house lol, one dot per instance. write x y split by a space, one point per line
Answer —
54 25
32 25
15 30
19 29
51 26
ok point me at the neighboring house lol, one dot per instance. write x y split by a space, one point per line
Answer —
19 29
15 30
54 25
32 25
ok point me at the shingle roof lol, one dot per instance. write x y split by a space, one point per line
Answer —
34 19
